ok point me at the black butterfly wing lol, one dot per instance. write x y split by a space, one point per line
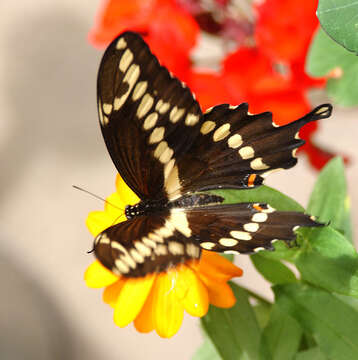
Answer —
146 244
243 228
164 147
238 150
149 244
148 117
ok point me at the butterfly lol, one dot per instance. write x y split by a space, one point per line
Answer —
169 153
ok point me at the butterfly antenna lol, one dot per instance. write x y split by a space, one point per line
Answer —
96 196
90 251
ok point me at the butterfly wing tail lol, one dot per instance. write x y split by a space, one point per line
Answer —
236 149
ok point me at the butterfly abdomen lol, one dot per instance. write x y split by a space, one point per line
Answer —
195 200
149 207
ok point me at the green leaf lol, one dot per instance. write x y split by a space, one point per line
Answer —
339 20
329 261
229 257
311 354
262 311
281 336
235 331
262 194
282 252
349 300
329 198
206 351
272 270
332 323
326 55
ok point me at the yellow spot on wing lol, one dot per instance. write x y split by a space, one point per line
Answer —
222 132
125 61
258 164
247 152
121 44
235 141
228 242
191 119
156 135
139 90
150 121
241 235
145 105
207 127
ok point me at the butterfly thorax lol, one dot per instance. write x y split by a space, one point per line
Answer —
149 207
145 207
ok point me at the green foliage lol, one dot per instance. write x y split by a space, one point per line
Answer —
329 261
329 198
315 316
235 332
263 194
339 20
310 354
326 55
331 322
272 270
281 337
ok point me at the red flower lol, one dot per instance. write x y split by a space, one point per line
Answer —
250 75
210 89
169 30
284 28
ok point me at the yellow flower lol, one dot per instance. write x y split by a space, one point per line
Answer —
157 301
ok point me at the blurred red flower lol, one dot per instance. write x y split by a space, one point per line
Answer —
169 30
284 28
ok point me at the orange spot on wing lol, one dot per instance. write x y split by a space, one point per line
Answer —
257 207
251 180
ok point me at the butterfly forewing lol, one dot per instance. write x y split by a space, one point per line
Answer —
148 117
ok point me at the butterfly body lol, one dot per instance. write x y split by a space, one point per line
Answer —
169 153
151 207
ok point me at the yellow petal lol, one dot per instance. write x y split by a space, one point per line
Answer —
196 299
217 267
114 207
220 293
144 321
131 299
125 192
168 311
111 292
97 276
97 221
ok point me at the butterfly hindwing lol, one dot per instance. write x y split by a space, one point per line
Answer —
146 244
243 228
155 243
